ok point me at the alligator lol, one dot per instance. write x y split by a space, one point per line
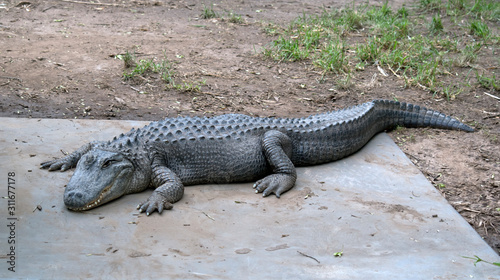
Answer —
175 152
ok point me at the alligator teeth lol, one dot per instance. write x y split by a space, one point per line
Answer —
93 204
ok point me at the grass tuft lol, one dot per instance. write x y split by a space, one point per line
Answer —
480 29
235 18
436 25
209 12
488 82
147 70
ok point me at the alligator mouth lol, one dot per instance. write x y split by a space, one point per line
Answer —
94 203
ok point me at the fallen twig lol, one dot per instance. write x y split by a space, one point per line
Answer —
471 210
393 72
382 71
10 78
208 216
491 95
135 89
491 116
91 3
305 255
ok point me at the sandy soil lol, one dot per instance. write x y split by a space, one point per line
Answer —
58 60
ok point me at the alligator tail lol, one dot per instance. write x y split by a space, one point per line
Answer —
408 115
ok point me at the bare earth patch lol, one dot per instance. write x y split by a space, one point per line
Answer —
60 59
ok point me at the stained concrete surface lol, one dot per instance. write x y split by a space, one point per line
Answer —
375 207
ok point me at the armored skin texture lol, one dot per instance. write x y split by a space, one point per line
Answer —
176 152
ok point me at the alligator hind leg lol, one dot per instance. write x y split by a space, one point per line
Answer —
278 151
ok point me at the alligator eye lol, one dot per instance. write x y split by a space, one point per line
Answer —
108 163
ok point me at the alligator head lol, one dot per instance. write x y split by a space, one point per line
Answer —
100 176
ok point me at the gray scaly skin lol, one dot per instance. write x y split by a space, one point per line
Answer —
175 152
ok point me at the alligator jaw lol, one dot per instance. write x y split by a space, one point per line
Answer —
93 204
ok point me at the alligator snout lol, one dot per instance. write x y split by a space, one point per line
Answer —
74 199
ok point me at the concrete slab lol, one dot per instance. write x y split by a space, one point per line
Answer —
374 206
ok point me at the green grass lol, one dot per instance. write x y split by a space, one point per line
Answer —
128 59
235 18
189 86
414 43
488 82
430 5
332 57
469 54
146 66
484 9
480 29
436 25
478 260
209 12
155 69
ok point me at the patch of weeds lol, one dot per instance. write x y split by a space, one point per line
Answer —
351 19
394 39
469 54
398 58
445 44
167 75
380 14
479 9
480 29
451 91
332 57
488 82
360 66
403 12
403 137
436 25
235 18
486 9
190 86
146 66
492 136
402 28
128 59
426 73
271 29
430 5
286 49
209 12
456 7
370 51
416 60
345 82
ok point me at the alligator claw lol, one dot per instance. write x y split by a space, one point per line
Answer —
52 165
155 202
275 183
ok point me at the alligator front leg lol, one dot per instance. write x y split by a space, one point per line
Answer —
278 150
68 161
168 189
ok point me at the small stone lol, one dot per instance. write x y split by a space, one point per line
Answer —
243 251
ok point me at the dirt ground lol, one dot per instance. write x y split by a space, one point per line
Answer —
58 60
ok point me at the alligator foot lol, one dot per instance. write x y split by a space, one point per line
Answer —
274 183
57 164
68 161
156 201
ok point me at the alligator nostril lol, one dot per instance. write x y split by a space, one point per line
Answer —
74 195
